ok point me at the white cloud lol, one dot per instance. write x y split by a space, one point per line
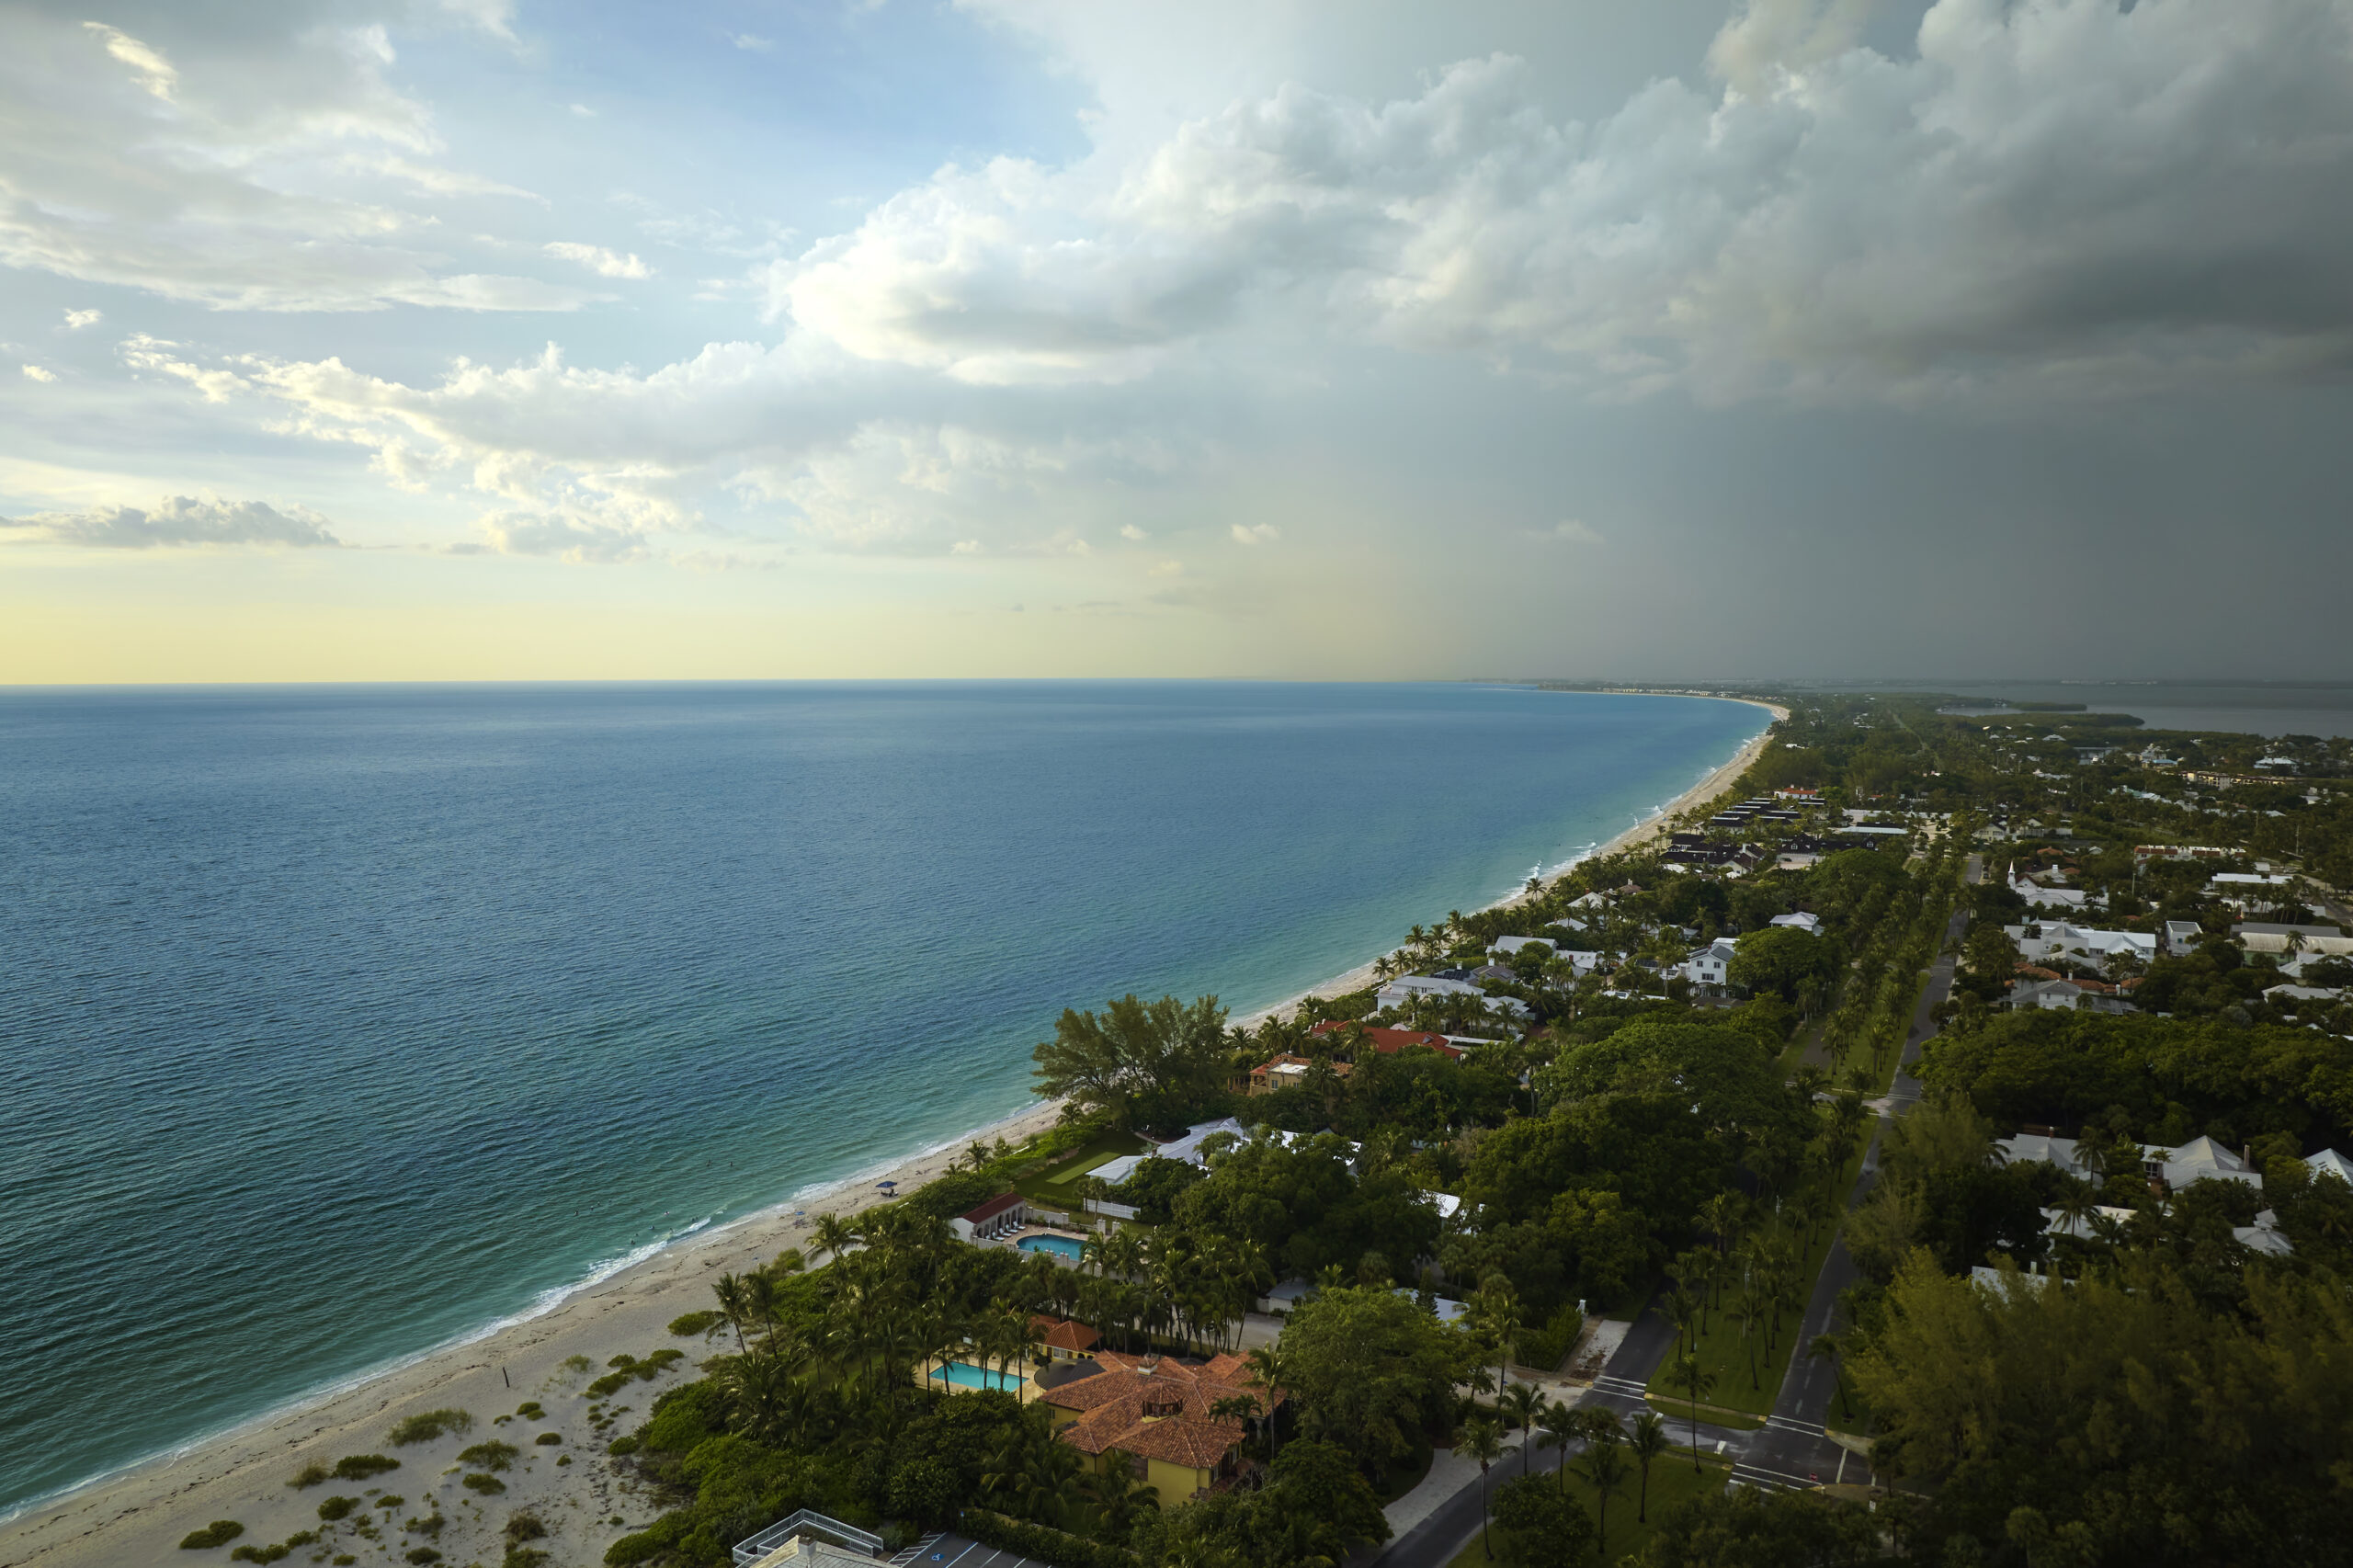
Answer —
1165 569
599 260
584 111
1573 531
178 521
236 167
1261 533
565 535
38 373
1129 532
752 42
77 320
2066 193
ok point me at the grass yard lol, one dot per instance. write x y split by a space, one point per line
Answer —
1057 1183
1672 1482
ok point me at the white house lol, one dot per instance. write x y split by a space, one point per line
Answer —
2179 937
2062 995
1189 1147
1000 1216
1709 965
2042 897
1510 947
2059 938
1804 920
1406 987
2328 1162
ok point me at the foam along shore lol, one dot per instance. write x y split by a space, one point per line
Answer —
140 1513
1363 977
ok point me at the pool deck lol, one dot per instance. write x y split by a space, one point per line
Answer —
1075 1237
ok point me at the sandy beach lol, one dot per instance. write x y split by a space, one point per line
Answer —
141 1514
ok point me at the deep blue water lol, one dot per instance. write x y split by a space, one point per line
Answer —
338 1022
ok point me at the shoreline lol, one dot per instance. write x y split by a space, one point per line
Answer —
141 1509
1649 827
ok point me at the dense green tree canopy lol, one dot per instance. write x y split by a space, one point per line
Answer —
1785 960
1145 1063
1372 1371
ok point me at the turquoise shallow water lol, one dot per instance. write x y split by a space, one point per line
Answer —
340 1022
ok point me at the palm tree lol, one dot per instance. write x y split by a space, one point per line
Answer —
734 1306
1483 1441
1604 1470
1680 1309
1832 1347
1522 1402
1693 1379
831 1236
1267 1367
1749 1313
1647 1442
1561 1427
1119 1495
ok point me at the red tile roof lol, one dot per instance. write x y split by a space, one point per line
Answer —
1389 1042
1063 1334
1157 1407
993 1207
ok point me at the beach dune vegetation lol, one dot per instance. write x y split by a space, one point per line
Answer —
548 1439
428 1425
361 1467
219 1532
333 1508
488 1485
491 1455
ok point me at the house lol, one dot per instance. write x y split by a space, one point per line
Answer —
2082 1228
2176 937
2064 995
2040 897
2058 939
1804 920
1000 1216
2289 995
1406 988
2263 1236
2200 1159
1389 1042
1709 965
1156 1411
1065 1339
1510 947
2283 940
809 1539
1189 1147
1286 1071
2328 1162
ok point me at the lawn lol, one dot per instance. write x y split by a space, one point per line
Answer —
1673 1481
1057 1183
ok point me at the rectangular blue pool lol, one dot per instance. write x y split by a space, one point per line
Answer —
965 1375
1069 1251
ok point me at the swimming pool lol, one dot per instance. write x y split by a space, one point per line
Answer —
965 1375
1068 1250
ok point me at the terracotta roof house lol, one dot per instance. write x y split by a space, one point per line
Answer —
1286 1071
1065 1340
1155 1409
1389 1042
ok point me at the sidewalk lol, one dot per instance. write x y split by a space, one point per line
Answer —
1450 1471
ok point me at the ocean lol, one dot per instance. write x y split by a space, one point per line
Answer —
343 1022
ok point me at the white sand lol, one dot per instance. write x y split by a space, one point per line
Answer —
141 1514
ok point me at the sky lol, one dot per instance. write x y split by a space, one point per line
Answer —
479 339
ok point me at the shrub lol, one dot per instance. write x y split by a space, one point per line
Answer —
345 1560
1056 1549
310 1475
360 1467
627 1367
219 1532
429 1528
428 1425
335 1508
692 1323
389 1501
549 1440
523 1524
491 1456
488 1485
421 1555
530 1411
260 1553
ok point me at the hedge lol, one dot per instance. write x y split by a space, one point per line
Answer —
1545 1348
1056 1549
